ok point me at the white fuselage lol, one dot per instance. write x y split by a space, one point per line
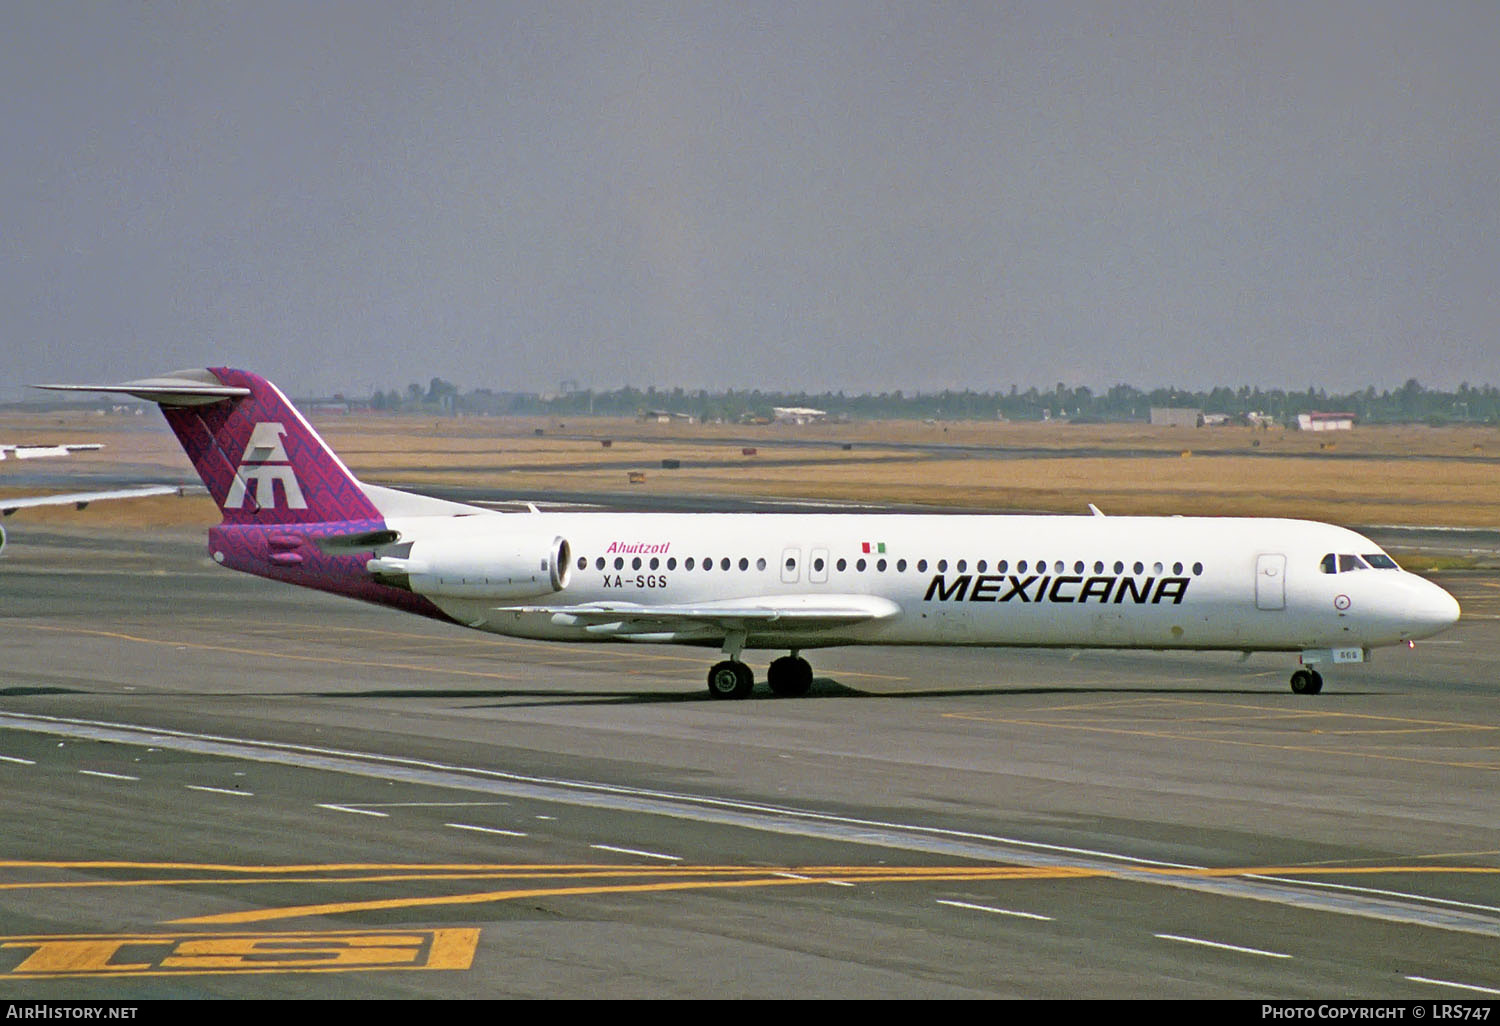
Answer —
1072 581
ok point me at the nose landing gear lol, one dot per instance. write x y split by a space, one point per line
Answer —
1307 682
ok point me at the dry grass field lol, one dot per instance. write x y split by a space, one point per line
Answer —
1373 475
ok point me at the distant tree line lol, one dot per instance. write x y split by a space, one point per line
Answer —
1411 403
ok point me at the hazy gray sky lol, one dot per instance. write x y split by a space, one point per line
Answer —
856 196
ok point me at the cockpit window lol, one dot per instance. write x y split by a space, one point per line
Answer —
1343 562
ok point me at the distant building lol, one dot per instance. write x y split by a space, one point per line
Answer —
667 417
1317 421
1176 416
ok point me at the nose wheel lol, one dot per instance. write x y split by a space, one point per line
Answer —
1307 682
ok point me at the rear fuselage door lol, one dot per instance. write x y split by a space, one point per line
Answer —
1270 581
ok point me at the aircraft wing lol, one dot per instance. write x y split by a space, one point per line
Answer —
39 452
82 499
709 619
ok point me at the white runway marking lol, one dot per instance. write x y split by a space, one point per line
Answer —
1449 983
357 812
428 805
1221 947
799 876
485 830
1381 891
634 851
219 790
108 776
16 759
996 911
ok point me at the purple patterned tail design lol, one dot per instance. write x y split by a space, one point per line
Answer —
283 493
262 462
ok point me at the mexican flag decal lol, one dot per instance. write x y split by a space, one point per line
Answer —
868 547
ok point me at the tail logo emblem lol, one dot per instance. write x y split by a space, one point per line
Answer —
264 463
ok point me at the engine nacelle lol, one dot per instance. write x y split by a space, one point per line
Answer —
499 566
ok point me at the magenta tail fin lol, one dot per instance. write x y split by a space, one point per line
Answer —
261 461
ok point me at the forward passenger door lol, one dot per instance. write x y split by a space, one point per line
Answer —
1270 581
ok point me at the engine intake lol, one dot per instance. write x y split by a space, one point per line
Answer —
490 567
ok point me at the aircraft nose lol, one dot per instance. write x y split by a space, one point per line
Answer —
1432 609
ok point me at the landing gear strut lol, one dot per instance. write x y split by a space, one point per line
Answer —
731 678
1307 682
790 676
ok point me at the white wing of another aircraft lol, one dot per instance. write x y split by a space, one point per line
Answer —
38 452
82 499
79 500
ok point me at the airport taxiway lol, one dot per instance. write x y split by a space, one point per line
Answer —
216 785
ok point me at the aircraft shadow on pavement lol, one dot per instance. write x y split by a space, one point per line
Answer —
822 688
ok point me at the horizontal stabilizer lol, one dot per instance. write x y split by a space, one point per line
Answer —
180 388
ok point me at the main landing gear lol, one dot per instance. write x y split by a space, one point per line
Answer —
789 677
1307 682
730 679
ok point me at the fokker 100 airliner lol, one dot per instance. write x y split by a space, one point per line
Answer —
294 513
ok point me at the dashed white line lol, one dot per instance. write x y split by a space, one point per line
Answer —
633 851
485 830
357 812
109 776
219 790
17 759
996 911
1449 983
1221 947
427 805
